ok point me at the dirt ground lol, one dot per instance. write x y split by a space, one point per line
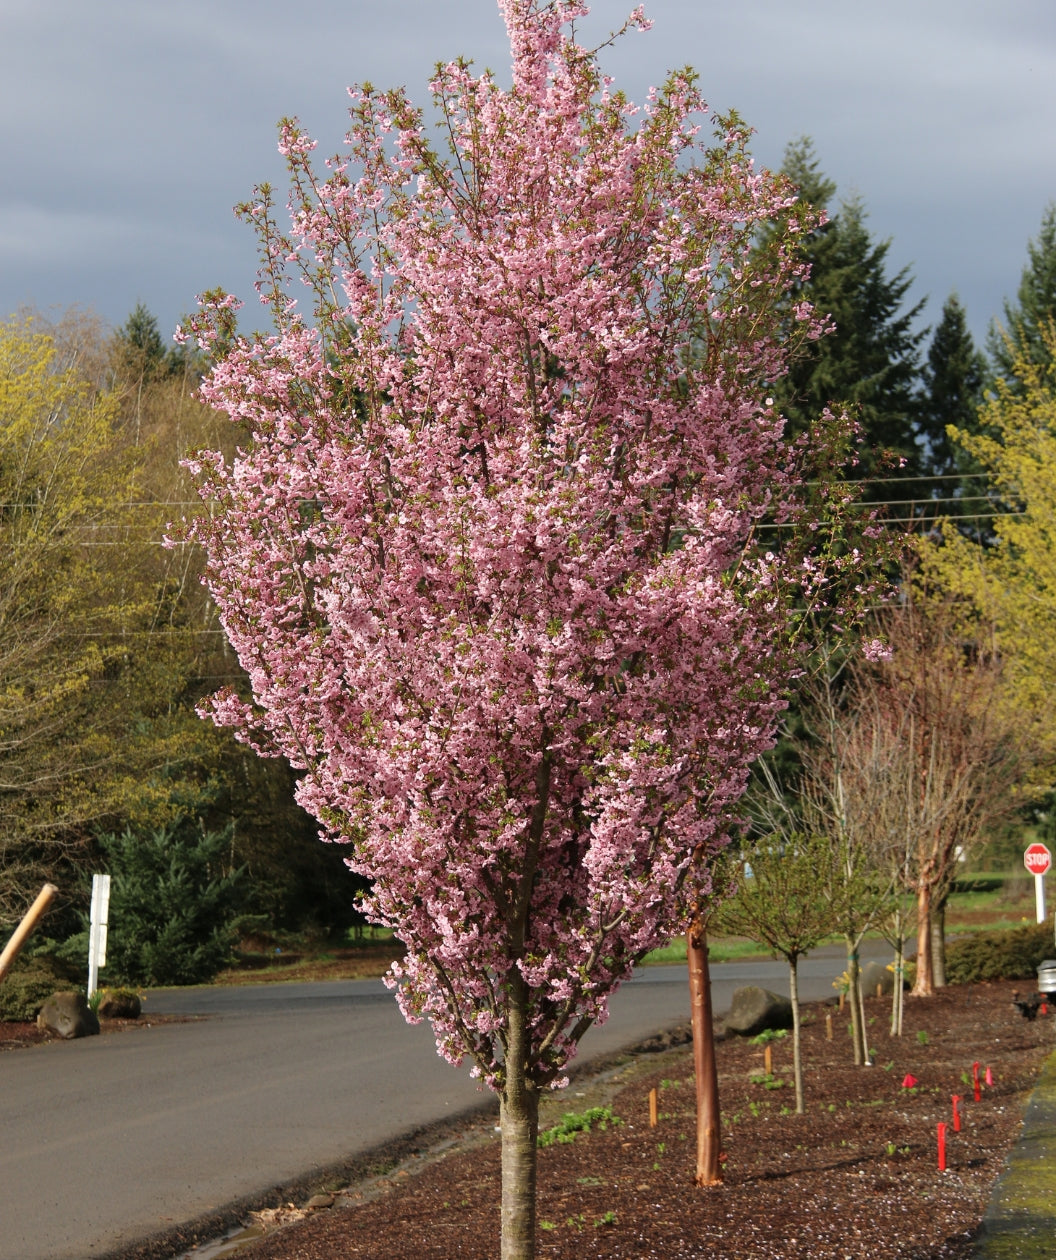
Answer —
855 1178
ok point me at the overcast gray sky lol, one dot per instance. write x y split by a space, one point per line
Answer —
131 127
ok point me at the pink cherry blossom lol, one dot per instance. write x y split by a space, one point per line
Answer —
488 552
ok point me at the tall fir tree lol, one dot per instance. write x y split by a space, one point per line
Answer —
140 346
1019 335
952 392
869 362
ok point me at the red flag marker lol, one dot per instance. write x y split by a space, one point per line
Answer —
989 1078
908 1081
956 1099
942 1147
975 1082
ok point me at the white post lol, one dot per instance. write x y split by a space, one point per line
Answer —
97 933
1039 897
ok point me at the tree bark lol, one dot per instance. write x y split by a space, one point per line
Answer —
519 1111
854 998
896 990
924 985
797 1063
938 943
709 1134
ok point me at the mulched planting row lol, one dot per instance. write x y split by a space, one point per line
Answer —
856 1177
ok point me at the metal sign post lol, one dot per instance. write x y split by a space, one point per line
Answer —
1037 859
97 934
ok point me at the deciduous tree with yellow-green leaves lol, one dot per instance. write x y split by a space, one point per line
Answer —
1009 584
90 691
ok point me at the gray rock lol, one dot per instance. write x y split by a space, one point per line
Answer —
119 1004
873 974
754 1010
68 1015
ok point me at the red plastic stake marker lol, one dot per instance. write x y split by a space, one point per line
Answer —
956 1099
989 1078
975 1082
942 1147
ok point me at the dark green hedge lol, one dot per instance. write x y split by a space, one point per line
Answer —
1012 955
31 983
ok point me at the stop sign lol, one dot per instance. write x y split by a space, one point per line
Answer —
1037 859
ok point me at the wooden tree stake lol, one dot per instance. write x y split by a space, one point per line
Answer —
29 922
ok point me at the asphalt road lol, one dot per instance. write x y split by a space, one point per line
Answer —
113 1139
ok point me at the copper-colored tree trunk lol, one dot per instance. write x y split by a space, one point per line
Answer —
924 984
709 1134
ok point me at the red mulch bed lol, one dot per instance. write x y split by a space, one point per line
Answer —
19 1036
16 1036
856 1177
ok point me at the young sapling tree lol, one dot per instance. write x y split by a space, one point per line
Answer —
782 901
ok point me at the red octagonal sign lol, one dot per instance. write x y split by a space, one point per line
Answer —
1037 859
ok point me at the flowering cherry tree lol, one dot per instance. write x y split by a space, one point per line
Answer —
487 554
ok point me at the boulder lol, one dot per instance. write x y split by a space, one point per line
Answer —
754 1010
119 1004
68 1015
873 974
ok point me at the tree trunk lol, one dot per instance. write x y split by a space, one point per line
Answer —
519 1110
896 991
709 1134
924 985
797 1063
854 998
938 944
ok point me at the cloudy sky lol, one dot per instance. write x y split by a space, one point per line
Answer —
131 127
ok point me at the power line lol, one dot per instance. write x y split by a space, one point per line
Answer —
865 481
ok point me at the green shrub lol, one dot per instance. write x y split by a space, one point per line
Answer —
1011 955
173 906
29 985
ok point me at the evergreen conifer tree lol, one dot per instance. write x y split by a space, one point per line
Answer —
869 362
952 388
140 344
1019 334
952 392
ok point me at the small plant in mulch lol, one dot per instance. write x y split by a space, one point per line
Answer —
578 1122
768 1035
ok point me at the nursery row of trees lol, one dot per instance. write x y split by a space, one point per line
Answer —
518 562
108 640
493 560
